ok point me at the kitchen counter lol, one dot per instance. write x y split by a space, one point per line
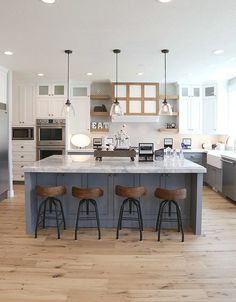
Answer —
85 171
88 164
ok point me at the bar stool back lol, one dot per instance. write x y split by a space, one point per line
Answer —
169 197
131 194
50 202
87 196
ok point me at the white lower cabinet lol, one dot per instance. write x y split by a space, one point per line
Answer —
23 154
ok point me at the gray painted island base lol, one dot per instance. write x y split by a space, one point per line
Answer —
84 171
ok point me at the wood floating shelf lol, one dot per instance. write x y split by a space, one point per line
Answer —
99 130
173 114
99 113
99 97
169 97
174 130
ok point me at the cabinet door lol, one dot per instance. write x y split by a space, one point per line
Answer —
43 110
3 87
56 108
209 91
78 91
190 116
23 109
80 123
193 91
58 90
43 90
210 116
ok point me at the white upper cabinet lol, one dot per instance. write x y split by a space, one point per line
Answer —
190 116
51 90
79 91
215 108
190 91
190 109
23 105
209 91
50 108
3 86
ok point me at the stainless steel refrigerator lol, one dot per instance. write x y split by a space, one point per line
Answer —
4 138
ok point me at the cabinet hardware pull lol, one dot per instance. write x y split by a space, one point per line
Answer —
228 161
22 156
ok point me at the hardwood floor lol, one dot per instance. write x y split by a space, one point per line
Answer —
203 268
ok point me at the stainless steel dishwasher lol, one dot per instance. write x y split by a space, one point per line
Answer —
229 178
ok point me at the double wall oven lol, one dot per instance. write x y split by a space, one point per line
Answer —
50 135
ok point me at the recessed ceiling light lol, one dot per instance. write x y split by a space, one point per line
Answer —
89 73
218 51
164 1
8 53
40 74
48 1
139 73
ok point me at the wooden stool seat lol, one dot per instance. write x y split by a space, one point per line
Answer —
87 197
169 197
131 194
50 205
87 193
50 191
176 194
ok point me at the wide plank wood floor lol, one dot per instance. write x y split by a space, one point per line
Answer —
203 268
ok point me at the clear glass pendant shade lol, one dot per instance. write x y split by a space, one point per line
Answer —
68 109
116 109
165 109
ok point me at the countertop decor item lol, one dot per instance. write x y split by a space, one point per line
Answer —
80 140
68 107
116 107
166 108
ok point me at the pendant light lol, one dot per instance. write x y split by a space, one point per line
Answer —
165 107
68 107
116 107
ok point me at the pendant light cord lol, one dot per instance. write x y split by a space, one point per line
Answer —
116 75
68 72
165 79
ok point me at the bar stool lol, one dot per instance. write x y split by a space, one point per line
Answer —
87 197
169 197
49 202
131 194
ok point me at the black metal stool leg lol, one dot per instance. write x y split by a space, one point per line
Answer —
140 212
62 213
38 217
97 217
57 218
136 203
180 219
120 218
44 211
77 218
160 219
169 208
158 216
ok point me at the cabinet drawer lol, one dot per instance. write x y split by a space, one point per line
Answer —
24 156
24 147
18 173
18 176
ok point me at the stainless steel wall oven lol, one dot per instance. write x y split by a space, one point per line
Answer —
50 135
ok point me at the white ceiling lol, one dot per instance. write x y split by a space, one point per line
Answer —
38 34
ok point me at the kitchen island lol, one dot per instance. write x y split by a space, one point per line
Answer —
85 171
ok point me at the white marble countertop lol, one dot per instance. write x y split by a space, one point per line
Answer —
88 164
